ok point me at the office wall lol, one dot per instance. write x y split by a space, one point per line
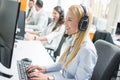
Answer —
67 3
23 5
113 15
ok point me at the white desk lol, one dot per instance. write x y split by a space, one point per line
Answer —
27 49
115 37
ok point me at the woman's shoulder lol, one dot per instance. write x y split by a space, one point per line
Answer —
88 48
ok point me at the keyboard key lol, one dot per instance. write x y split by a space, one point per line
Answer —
21 65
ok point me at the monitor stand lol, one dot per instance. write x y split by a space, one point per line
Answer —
5 75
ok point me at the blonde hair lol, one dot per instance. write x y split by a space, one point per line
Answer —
79 37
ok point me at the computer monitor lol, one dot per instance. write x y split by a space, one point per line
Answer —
8 20
21 25
118 29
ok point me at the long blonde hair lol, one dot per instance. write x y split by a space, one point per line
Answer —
79 37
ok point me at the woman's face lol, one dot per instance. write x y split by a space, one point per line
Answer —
71 23
56 15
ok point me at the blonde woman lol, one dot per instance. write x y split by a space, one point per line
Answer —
80 57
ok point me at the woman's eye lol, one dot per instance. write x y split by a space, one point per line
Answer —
69 20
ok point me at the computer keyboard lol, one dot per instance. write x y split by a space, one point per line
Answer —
21 65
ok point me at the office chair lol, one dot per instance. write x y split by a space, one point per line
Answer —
108 61
49 20
56 53
104 35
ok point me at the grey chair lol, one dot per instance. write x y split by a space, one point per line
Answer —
56 53
104 35
108 61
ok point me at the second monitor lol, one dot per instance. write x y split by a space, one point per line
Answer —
118 29
21 25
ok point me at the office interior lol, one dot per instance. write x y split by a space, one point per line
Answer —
106 16
106 13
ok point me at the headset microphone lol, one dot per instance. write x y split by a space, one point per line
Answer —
65 35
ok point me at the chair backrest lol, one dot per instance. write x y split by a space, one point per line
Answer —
104 35
57 52
49 20
108 60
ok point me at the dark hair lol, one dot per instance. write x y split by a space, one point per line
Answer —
61 16
31 0
39 3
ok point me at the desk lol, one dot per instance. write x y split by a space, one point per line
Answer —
27 49
115 37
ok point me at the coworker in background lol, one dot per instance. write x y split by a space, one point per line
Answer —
80 57
39 22
31 10
52 35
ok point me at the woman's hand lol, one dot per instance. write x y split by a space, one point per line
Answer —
29 37
38 68
37 75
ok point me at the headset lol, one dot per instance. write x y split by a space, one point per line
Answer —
82 25
61 17
61 13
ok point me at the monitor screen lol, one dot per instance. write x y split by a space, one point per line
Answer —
8 19
118 28
21 25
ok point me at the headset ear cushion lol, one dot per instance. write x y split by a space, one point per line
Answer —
61 15
82 26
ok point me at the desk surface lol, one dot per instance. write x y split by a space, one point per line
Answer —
27 49
115 37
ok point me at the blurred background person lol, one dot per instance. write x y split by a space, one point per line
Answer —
39 22
31 10
53 34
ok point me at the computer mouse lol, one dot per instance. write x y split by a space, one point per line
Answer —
118 39
26 59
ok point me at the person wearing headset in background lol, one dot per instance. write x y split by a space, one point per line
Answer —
30 11
80 57
39 22
52 35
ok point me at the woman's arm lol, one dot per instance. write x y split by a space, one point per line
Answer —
41 38
32 32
